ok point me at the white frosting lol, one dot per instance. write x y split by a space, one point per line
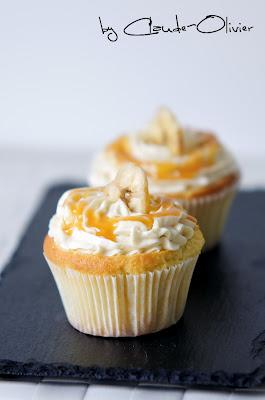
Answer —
167 232
224 166
103 170
105 167
160 153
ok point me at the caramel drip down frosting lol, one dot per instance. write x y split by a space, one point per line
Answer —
176 160
204 155
185 157
83 217
120 218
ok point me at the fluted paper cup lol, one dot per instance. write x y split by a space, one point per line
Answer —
211 212
124 304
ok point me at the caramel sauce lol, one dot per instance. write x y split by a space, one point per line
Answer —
81 217
121 148
204 155
197 160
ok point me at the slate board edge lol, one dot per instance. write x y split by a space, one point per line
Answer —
33 369
189 378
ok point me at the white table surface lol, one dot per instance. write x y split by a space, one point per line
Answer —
24 175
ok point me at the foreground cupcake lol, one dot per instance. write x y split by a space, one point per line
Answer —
122 259
190 166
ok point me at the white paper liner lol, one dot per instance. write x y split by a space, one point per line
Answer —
211 212
125 304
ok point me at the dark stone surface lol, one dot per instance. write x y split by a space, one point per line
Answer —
220 341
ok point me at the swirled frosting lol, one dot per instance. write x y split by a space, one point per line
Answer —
88 221
201 162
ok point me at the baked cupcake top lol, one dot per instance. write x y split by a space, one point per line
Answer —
120 218
177 160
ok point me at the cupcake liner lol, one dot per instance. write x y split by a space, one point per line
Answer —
124 304
211 212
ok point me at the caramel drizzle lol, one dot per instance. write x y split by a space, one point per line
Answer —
82 216
204 155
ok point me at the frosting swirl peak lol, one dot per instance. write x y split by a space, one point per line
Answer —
123 221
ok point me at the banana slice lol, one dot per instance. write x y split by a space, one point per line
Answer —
131 186
165 130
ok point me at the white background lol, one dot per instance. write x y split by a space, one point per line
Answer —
64 86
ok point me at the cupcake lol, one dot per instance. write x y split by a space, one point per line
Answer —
190 166
122 259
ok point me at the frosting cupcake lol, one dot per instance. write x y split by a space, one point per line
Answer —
122 259
190 166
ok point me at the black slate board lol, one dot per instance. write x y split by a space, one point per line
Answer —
220 341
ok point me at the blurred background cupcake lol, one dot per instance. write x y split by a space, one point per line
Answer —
188 165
